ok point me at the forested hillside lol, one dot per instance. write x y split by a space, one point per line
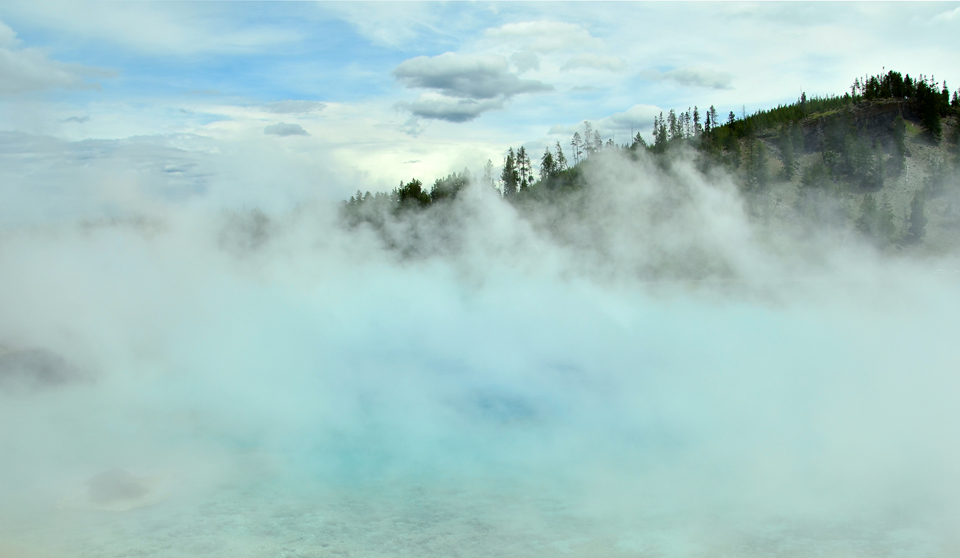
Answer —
880 159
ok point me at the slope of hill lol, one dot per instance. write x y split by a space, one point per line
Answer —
881 162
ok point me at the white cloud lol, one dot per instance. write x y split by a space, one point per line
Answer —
8 37
29 69
525 60
594 62
545 36
696 76
283 129
948 15
294 107
164 27
617 126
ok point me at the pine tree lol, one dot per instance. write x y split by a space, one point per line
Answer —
697 129
756 167
522 166
547 167
509 176
577 145
674 128
488 174
659 134
560 162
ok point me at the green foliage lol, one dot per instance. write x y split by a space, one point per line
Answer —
886 228
796 135
448 188
786 152
412 194
917 221
867 220
815 175
756 167
876 220
844 136
510 176
899 145
933 183
547 167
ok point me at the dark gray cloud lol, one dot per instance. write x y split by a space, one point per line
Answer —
283 129
451 110
463 86
466 76
694 76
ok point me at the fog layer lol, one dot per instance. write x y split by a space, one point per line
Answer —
641 371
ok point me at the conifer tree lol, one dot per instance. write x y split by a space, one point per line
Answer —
674 128
577 145
488 174
521 165
547 166
560 162
509 176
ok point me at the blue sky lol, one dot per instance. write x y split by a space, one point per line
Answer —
394 90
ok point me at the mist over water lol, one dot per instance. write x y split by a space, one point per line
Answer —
642 372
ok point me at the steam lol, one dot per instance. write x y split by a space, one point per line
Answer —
639 370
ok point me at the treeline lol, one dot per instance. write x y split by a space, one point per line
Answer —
849 146
930 100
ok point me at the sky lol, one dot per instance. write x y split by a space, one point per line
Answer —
212 101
